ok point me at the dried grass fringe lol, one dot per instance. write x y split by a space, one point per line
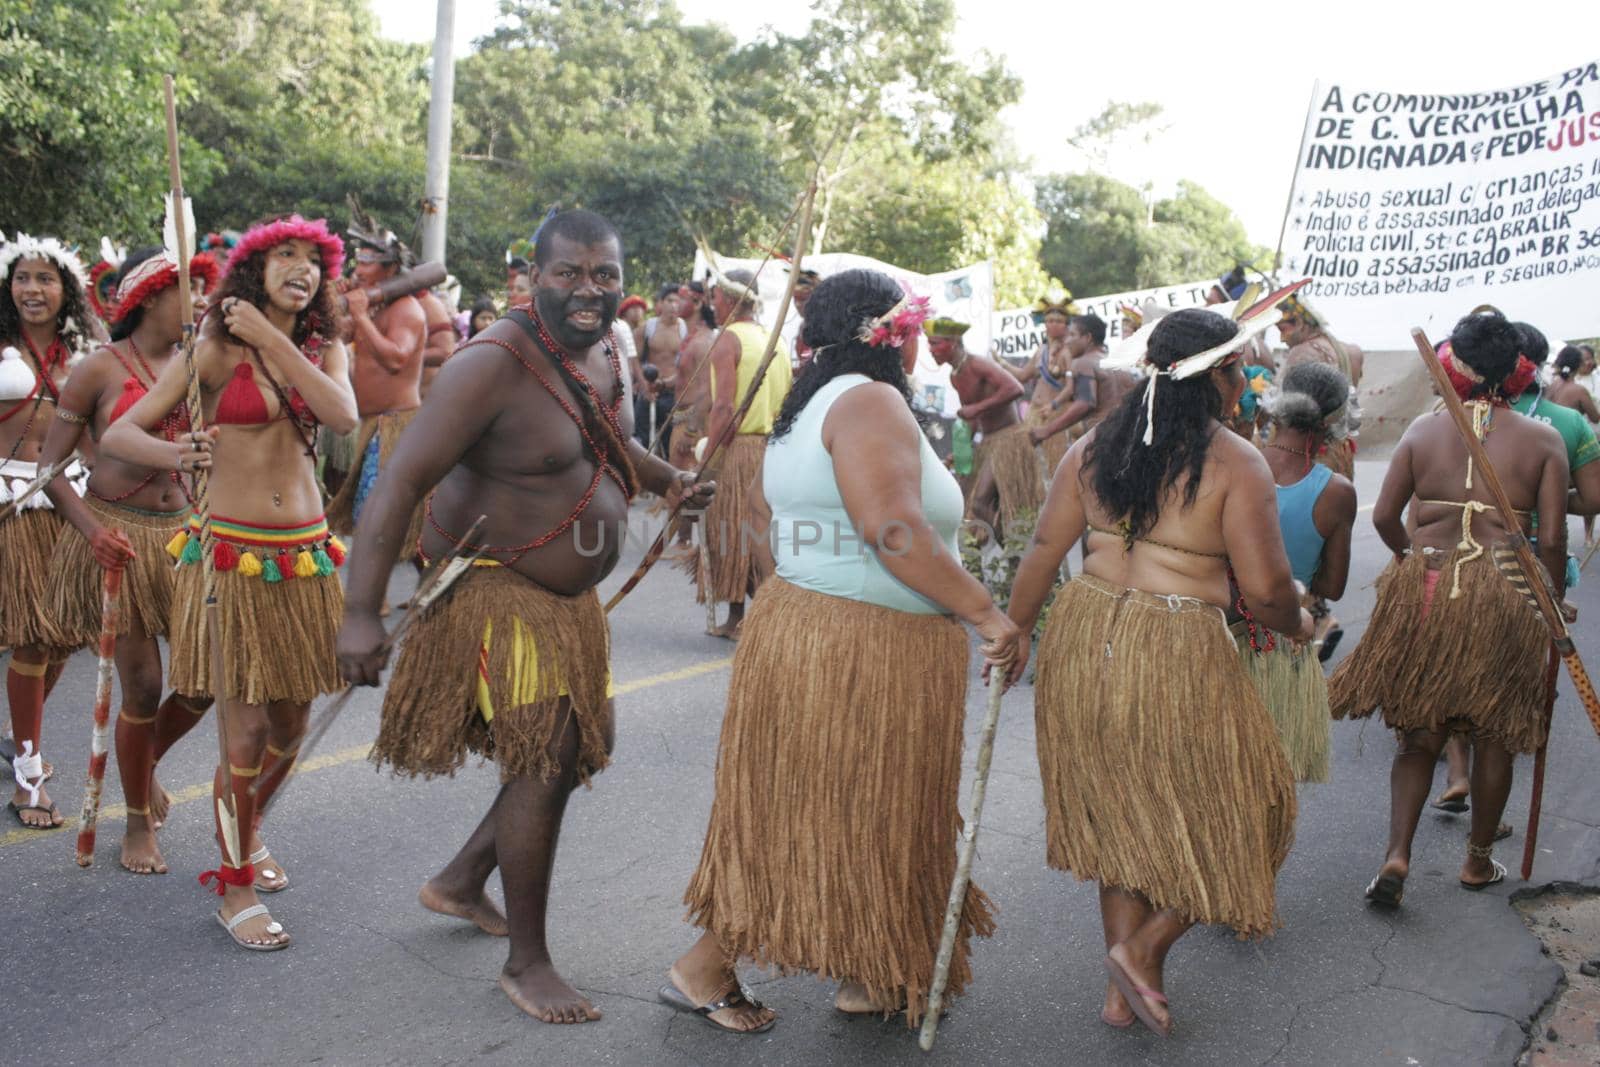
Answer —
1016 470
832 839
1162 772
341 509
277 637
430 711
1479 657
1054 448
27 541
73 611
736 568
1293 687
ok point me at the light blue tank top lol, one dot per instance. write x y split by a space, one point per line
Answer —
815 543
1295 504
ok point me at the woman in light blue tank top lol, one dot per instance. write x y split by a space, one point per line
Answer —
832 838
1316 513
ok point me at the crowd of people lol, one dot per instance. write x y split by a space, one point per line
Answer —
1206 479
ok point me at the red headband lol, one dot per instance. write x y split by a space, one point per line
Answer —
155 274
293 228
1467 382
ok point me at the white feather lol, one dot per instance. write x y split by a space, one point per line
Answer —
169 230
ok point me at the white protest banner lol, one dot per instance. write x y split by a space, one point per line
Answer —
1017 336
1410 209
966 295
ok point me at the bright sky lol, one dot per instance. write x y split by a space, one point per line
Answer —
1234 81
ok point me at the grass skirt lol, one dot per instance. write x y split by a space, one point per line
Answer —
1295 691
147 580
342 508
431 716
1054 448
27 541
1010 453
277 637
736 568
1162 773
1475 661
832 840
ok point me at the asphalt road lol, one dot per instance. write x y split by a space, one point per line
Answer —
100 964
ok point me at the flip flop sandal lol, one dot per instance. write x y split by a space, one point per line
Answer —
674 998
277 880
274 928
1386 891
1503 831
1329 643
1454 805
1498 877
1139 997
52 811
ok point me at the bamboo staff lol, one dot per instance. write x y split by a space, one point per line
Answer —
969 849
1538 583
100 738
440 577
1299 161
1530 840
177 217
658 546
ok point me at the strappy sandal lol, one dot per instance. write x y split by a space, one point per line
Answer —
274 928
1484 852
276 880
1386 891
735 997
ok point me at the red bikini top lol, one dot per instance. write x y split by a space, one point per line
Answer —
134 389
242 404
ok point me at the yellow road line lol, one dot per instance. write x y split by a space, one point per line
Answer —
202 790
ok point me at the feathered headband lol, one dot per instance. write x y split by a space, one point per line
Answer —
1059 300
1295 306
155 274
1132 354
49 248
294 228
897 325
1468 383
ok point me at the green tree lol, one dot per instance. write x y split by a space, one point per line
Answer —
82 138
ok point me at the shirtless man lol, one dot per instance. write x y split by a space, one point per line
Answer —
1095 390
386 370
1008 480
693 405
1304 331
441 337
1049 373
658 341
525 426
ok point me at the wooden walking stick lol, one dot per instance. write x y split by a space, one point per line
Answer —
100 738
178 238
963 878
1530 840
1533 572
659 545
440 577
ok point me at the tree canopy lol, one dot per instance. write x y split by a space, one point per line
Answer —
672 129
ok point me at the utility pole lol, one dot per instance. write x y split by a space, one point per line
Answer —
436 196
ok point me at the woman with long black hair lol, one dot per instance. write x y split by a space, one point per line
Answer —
1163 777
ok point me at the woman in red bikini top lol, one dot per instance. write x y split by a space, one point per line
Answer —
126 517
271 368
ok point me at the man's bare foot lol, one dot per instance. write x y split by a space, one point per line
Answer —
141 854
546 996
853 999
728 630
481 912
1144 982
742 1017
160 803
41 816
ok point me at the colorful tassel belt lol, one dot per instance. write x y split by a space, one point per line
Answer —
274 553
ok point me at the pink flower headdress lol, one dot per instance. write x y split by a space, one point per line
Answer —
271 234
897 325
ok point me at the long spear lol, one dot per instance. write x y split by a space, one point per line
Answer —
1538 583
100 738
178 219
658 546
